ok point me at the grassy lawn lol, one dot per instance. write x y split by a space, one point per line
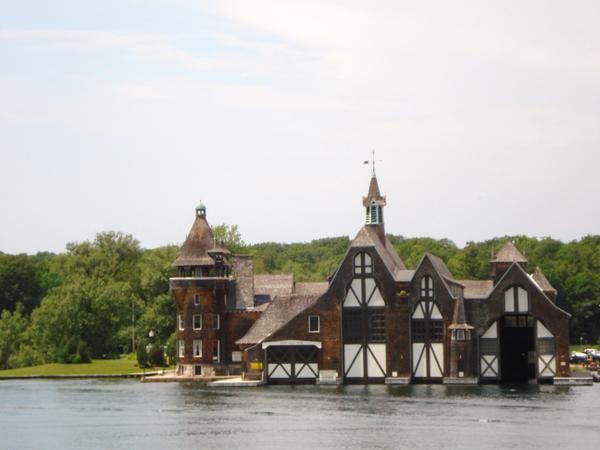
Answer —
581 348
125 364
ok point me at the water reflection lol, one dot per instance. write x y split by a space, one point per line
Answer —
129 414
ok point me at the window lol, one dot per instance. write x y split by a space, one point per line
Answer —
460 335
181 346
196 300
376 323
197 321
314 324
180 321
426 287
363 264
217 351
216 322
197 348
236 356
516 299
198 370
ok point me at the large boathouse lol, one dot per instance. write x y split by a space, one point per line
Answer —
373 321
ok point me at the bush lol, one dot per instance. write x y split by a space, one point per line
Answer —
142 355
157 355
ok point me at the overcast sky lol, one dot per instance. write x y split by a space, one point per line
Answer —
123 115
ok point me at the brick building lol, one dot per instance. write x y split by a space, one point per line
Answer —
373 321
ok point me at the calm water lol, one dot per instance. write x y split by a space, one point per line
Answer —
91 414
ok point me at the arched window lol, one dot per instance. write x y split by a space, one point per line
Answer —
363 264
516 300
426 287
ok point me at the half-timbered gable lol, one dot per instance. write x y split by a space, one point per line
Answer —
525 327
432 307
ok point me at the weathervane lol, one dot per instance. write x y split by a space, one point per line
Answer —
372 161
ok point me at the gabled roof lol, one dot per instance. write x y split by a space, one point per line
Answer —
526 276
442 270
279 312
509 253
194 251
367 237
440 266
539 277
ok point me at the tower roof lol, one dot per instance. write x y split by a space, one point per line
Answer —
539 277
374 197
509 253
194 251
459 318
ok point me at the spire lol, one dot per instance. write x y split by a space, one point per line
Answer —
374 203
459 318
194 251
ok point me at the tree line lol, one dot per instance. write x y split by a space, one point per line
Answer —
109 296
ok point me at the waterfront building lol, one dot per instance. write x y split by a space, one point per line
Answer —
372 321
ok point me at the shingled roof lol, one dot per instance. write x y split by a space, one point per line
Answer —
279 312
477 288
367 237
274 285
194 251
374 194
509 253
459 318
315 288
539 277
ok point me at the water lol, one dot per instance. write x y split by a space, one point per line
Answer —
127 414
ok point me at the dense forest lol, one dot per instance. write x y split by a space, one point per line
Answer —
103 297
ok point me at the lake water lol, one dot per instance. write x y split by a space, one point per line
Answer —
127 414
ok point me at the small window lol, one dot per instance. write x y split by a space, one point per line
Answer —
459 335
217 351
197 348
196 300
314 324
198 370
197 321
236 356
216 322
180 321
426 287
181 346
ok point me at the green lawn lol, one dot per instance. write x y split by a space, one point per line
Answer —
581 348
123 365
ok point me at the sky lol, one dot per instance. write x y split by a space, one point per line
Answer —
125 114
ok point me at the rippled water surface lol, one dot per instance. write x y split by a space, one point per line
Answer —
128 414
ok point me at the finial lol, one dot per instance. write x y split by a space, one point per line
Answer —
372 161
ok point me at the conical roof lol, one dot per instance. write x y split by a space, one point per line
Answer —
194 251
374 195
459 318
509 253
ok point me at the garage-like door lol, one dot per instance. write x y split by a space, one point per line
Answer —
293 364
